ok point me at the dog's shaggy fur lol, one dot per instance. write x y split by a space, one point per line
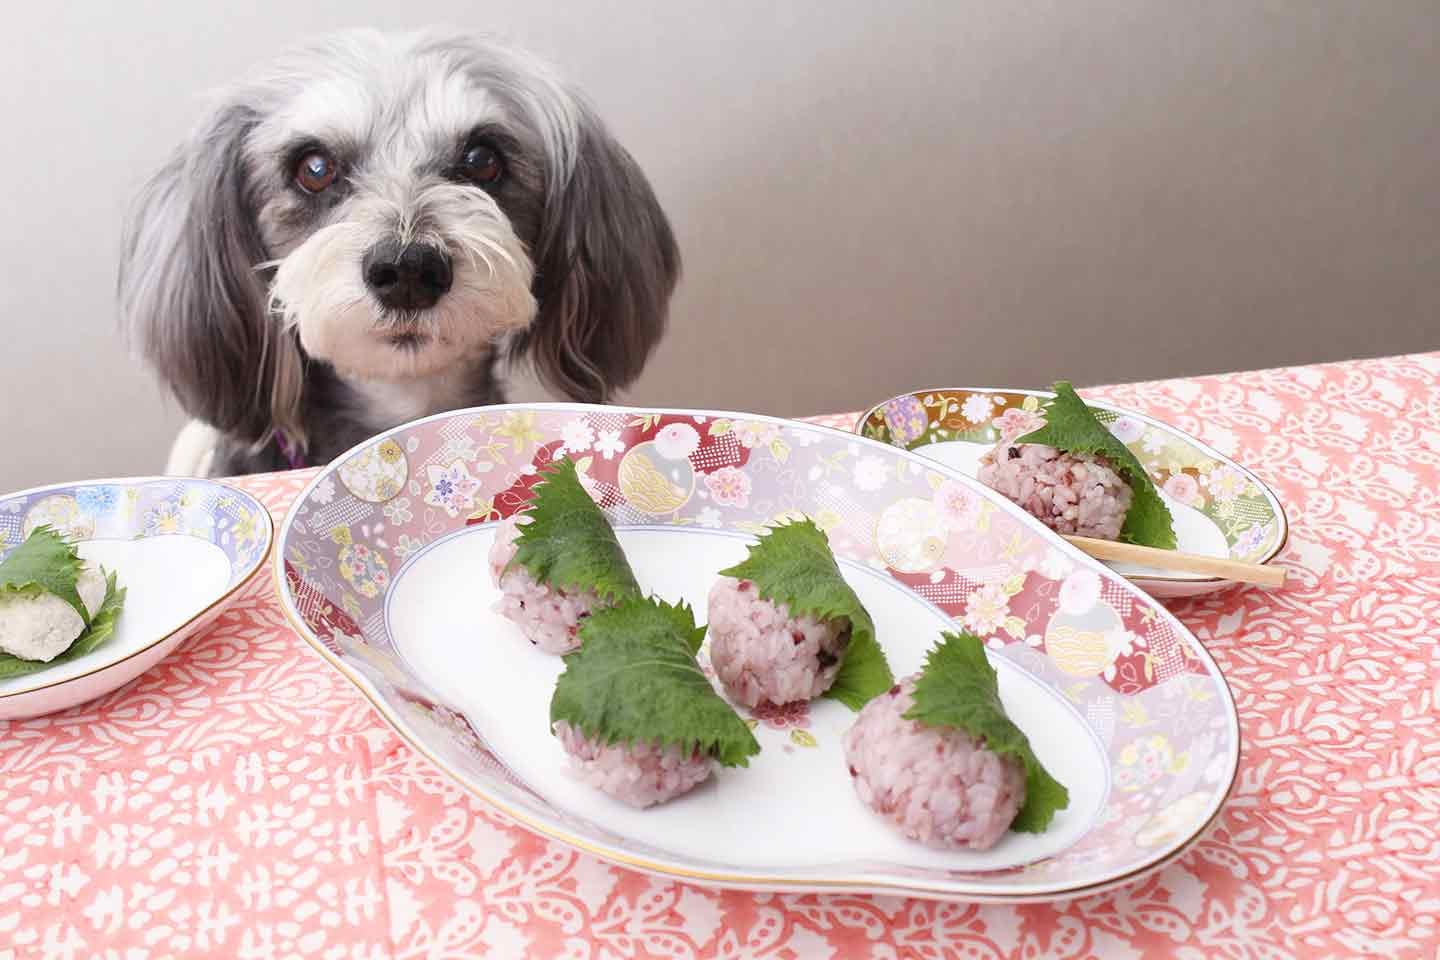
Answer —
254 269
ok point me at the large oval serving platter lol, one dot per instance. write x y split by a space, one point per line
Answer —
1220 508
382 568
180 547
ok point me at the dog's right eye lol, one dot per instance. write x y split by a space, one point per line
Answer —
482 164
315 171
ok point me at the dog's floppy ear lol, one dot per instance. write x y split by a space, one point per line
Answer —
606 264
191 296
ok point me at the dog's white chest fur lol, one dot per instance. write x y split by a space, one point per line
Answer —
392 402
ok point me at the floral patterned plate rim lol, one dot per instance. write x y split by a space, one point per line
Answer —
140 527
1244 510
381 568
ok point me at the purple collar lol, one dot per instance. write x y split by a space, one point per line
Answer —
290 450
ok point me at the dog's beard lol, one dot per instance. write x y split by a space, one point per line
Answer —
319 288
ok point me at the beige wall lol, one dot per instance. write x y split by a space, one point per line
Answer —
870 197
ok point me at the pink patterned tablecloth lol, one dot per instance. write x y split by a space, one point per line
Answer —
242 800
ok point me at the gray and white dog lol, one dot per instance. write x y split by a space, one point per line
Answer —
368 229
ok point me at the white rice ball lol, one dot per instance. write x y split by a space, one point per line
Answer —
41 627
1070 493
550 618
640 774
939 786
761 653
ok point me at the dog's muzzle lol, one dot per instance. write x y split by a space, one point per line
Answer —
409 278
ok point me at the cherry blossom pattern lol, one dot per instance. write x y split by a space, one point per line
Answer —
1016 422
729 487
906 418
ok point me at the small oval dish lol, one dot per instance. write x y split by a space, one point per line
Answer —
1220 508
181 548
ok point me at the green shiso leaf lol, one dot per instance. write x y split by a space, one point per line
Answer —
635 678
102 627
793 564
1071 426
44 563
568 543
958 688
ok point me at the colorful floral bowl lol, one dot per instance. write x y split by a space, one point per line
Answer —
1220 508
181 548
382 568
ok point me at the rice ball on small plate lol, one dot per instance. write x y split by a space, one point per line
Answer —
640 774
42 626
549 617
1079 494
762 654
940 786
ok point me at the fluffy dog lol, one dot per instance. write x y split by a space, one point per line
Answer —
370 228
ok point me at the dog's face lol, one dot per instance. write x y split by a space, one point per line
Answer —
397 207
400 196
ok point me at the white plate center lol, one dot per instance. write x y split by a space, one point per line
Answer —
794 806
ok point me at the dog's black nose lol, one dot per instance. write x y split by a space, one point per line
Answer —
410 278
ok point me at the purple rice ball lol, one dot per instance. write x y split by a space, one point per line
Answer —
640 774
550 618
939 786
761 653
1071 493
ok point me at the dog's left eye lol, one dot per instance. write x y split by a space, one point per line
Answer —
482 164
315 171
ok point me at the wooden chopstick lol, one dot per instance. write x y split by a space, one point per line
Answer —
1239 571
